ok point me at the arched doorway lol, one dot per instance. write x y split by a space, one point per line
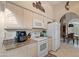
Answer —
62 26
64 23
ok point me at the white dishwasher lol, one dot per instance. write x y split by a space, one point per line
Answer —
42 46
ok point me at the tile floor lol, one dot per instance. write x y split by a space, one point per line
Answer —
67 50
50 55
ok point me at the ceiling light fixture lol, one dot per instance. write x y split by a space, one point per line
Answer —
67 5
39 6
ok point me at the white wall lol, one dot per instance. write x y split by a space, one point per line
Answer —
1 26
1 22
11 34
59 10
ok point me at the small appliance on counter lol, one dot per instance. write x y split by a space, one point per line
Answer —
29 36
21 36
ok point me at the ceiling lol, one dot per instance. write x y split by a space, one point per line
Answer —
56 2
53 3
62 2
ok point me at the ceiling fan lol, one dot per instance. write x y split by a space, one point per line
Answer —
67 5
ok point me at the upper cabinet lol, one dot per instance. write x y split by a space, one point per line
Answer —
49 20
38 21
20 18
28 17
45 23
14 16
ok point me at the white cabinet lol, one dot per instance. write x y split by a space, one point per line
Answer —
28 16
46 20
32 50
49 44
22 51
14 16
19 18
49 20
45 23
38 21
25 51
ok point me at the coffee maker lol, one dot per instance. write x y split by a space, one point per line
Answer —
20 36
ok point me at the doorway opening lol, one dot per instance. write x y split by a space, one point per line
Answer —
65 21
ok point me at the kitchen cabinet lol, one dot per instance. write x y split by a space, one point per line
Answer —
38 21
25 51
45 23
32 50
37 17
28 17
14 16
49 20
49 44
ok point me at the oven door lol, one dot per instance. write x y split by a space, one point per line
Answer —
42 48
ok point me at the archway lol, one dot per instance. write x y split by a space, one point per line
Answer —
64 22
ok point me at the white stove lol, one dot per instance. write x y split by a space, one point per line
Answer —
42 46
40 38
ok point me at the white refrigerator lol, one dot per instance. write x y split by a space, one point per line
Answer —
54 32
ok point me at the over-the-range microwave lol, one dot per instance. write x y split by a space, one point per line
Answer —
37 23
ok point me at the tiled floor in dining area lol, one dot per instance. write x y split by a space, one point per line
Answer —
71 43
67 50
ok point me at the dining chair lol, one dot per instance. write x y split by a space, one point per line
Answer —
70 37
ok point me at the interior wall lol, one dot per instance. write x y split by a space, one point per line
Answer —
1 21
59 10
11 34
1 26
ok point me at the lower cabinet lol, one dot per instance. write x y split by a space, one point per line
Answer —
25 51
49 44
32 50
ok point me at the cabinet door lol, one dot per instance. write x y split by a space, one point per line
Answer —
18 52
33 52
45 23
25 51
14 15
28 16
49 20
49 44
39 18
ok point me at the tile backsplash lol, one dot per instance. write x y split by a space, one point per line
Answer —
10 34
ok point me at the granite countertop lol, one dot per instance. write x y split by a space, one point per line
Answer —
11 44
